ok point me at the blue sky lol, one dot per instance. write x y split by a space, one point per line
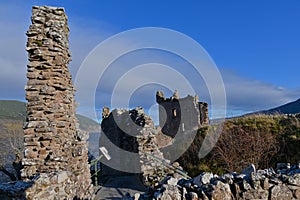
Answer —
255 44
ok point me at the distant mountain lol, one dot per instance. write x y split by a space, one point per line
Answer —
10 109
289 108
88 124
16 110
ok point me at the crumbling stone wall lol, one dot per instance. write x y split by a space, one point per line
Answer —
53 141
153 171
203 111
115 126
181 114
134 131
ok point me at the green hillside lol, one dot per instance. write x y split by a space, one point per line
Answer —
263 140
16 110
10 109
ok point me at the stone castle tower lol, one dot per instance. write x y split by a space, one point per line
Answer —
180 114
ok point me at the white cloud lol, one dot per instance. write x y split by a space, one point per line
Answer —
254 95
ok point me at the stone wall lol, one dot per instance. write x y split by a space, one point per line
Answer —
53 141
133 131
150 155
284 183
203 111
178 115
115 126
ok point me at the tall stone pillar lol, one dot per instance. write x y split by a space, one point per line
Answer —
54 145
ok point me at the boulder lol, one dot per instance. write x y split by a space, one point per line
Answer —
221 192
203 179
281 192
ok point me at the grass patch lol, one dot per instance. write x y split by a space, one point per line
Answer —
264 140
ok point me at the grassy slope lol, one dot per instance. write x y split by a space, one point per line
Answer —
10 109
16 110
285 128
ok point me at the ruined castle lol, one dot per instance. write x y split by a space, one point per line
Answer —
134 131
55 163
180 114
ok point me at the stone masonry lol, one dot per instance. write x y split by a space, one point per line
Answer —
55 148
118 128
178 115
280 184
153 170
134 131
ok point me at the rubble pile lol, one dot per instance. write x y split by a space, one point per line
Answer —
284 183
